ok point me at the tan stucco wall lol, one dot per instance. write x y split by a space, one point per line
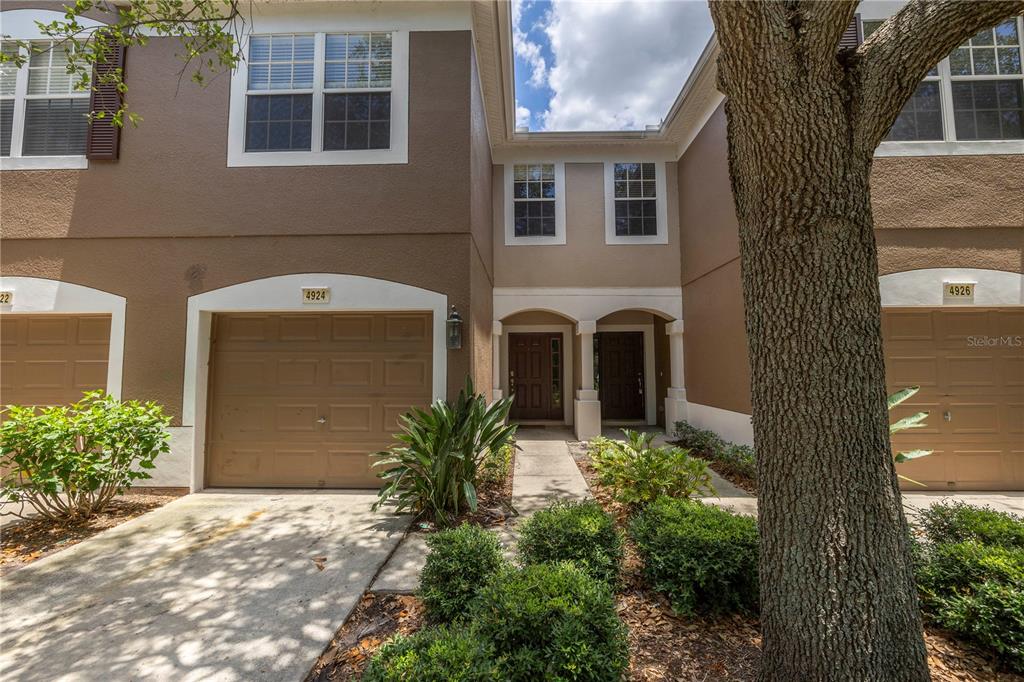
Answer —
158 275
585 260
172 179
958 211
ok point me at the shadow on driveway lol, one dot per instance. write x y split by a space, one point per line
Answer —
214 586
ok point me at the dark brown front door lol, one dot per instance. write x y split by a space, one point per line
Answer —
535 375
621 358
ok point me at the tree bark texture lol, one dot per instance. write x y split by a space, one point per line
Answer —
838 600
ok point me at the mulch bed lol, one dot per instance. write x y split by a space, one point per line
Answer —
744 483
29 540
666 646
376 618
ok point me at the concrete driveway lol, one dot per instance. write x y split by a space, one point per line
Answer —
214 586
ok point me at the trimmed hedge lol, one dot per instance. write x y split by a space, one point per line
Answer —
552 622
732 458
702 557
992 615
460 562
434 655
946 569
959 522
579 532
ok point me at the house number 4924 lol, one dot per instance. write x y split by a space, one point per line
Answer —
316 295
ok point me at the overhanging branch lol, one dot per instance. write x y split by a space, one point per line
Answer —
888 67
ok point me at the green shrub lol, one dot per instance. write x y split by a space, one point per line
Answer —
495 466
69 461
460 562
552 622
702 557
639 473
958 522
949 568
580 532
992 615
434 655
433 469
732 458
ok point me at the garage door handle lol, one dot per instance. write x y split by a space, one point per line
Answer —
321 420
947 416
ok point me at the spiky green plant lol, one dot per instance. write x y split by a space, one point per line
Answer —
914 421
431 471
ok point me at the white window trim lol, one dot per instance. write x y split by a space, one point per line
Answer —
660 198
20 24
399 151
510 234
951 146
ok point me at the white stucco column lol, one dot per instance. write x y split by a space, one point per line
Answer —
587 408
496 361
675 401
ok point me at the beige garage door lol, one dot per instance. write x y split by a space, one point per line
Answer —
969 363
301 400
52 359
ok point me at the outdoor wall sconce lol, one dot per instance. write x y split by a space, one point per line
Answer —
454 325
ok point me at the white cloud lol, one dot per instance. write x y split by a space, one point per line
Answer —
522 116
619 65
527 50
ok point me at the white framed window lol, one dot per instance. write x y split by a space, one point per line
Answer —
44 115
535 203
971 102
635 207
320 98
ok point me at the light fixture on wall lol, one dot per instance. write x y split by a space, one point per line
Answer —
454 325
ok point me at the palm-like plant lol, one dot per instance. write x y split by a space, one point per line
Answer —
432 471
914 421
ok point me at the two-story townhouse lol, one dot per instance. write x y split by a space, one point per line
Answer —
276 257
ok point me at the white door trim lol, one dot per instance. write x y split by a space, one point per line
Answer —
284 294
650 385
37 295
568 368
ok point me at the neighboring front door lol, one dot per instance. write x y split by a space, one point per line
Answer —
621 377
535 375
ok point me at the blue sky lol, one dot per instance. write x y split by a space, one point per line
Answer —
603 64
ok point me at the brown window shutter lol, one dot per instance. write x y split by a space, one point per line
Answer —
104 139
852 36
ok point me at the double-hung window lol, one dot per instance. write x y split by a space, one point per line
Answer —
534 212
635 207
321 98
43 111
974 95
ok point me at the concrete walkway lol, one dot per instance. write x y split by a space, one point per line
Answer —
214 586
544 472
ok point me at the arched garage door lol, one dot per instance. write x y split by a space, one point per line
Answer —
52 359
303 399
969 362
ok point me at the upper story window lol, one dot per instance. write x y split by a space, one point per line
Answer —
534 209
973 95
43 112
533 194
321 98
635 207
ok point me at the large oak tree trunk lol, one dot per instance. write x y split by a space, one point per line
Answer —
838 599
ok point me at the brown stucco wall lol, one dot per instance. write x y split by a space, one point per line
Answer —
172 179
952 211
585 260
158 275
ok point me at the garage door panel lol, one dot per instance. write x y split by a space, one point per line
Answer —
358 371
89 373
298 372
932 425
11 330
46 374
932 471
45 332
970 370
233 464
